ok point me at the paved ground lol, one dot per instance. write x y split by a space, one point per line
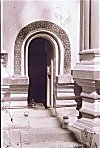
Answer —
24 127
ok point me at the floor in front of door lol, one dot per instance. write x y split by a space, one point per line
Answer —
36 127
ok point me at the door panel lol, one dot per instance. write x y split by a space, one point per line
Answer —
37 71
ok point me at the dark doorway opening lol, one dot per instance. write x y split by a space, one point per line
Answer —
38 59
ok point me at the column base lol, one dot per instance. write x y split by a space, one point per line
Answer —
87 131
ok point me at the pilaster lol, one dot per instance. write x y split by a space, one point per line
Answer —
87 74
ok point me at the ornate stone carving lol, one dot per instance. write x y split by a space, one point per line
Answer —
40 25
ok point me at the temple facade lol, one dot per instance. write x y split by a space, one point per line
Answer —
54 45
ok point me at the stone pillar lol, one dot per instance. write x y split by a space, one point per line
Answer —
86 24
87 74
95 24
89 24
85 21
81 25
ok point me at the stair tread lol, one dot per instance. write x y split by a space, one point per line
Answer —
56 144
38 135
47 130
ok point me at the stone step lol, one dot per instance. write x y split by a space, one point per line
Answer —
35 119
44 122
33 128
51 144
56 144
65 103
37 136
46 135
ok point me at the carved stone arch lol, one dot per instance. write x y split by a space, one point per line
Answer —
42 25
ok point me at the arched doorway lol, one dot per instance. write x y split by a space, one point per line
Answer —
40 53
60 63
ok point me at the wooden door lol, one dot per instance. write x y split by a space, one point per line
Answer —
37 71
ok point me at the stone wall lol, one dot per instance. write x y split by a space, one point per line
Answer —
18 14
